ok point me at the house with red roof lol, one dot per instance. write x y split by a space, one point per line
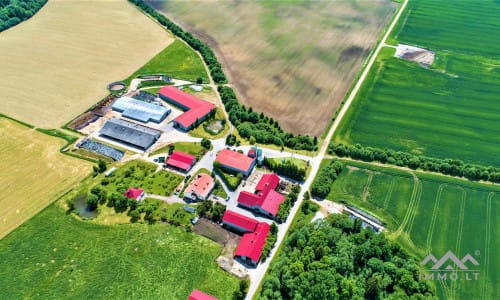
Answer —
239 222
235 161
199 295
200 188
195 110
134 193
265 200
250 247
181 161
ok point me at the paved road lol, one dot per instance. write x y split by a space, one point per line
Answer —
258 274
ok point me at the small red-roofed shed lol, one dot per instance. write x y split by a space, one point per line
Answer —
239 222
181 161
199 295
133 193
236 161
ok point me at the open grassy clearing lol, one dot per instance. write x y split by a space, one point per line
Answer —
68 258
33 173
61 60
449 110
187 147
287 58
428 213
177 60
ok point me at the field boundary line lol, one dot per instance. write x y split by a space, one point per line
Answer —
389 194
434 217
487 245
411 206
367 187
418 196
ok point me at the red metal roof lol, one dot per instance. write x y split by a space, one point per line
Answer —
249 199
251 244
201 185
234 160
133 193
199 295
181 160
196 108
239 220
268 182
272 202
266 197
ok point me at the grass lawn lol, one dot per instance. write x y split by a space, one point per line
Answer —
33 172
219 190
61 59
448 110
302 164
202 132
427 213
141 174
178 61
68 258
187 147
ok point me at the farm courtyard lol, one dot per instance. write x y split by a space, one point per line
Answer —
61 60
287 59
33 173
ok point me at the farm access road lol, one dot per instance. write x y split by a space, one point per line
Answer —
257 275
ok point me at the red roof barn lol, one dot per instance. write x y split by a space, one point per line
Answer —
265 199
133 193
239 222
235 161
250 247
198 295
181 161
195 109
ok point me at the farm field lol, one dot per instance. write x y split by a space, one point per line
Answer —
33 173
178 61
448 110
61 60
68 258
431 214
303 55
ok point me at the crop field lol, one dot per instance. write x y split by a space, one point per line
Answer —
178 61
68 258
61 60
431 214
287 58
449 110
33 173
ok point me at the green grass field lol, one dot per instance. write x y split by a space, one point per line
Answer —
428 213
449 110
187 147
55 256
178 61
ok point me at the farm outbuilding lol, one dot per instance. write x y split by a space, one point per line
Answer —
130 134
196 110
181 161
140 110
198 295
134 193
239 222
235 161
251 245
265 200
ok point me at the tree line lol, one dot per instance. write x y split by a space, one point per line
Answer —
14 12
453 167
286 168
262 128
337 259
205 51
327 175
287 204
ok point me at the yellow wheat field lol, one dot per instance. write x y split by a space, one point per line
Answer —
58 63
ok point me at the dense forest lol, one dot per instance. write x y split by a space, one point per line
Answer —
337 259
13 12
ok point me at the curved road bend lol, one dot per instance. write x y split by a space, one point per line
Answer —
257 274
